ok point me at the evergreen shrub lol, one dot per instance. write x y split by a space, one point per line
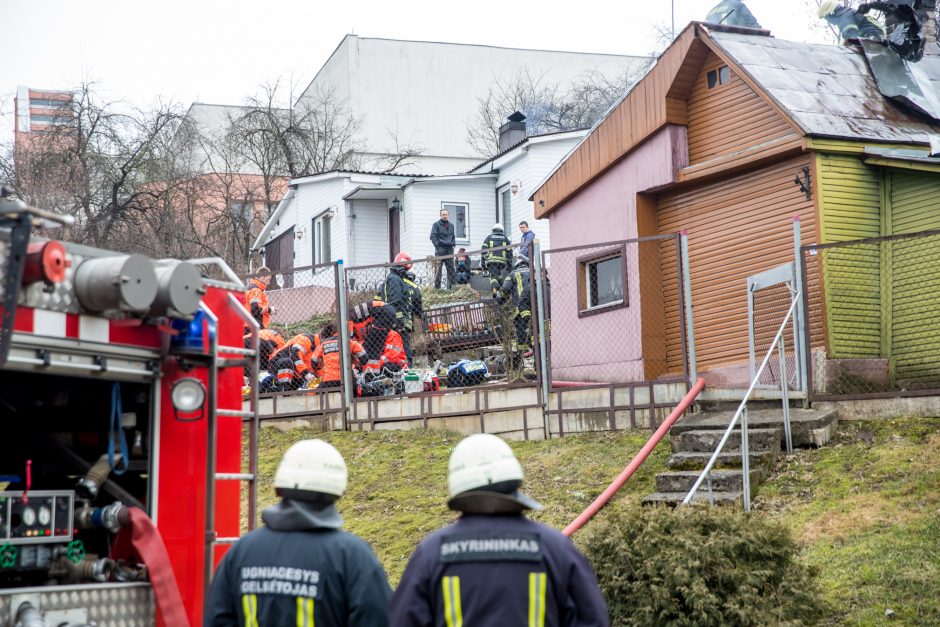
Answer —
701 566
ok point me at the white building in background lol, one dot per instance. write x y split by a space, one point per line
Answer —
366 218
425 93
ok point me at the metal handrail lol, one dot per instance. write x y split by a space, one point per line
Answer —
741 413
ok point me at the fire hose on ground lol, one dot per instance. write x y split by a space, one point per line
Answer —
637 460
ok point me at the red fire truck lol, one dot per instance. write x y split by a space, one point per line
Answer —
121 476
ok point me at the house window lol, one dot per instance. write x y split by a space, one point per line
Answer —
321 238
504 210
602 280
720 76
459 216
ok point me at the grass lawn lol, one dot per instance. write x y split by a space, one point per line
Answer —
866 509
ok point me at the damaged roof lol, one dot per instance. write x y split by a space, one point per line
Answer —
829 91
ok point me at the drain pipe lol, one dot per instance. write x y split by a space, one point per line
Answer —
638 460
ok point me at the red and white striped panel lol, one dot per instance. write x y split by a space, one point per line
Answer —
85 328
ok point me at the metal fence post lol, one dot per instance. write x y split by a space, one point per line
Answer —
345 355
546 375
687 297
746 460
801 349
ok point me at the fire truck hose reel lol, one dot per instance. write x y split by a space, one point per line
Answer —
45 261
179 290
124 283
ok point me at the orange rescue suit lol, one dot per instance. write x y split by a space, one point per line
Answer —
256 296
300 349
392 353
326 358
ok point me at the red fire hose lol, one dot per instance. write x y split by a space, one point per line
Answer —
141 540
635 463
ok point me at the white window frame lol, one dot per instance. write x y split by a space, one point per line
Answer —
585 306
504 213
451 207
316 235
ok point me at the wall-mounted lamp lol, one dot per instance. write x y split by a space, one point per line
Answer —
515 187
300 233
802 180
396 204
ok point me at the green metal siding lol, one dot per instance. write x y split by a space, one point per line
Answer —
850 199
914 278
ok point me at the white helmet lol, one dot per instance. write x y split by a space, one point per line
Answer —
484 477
311 466
498 226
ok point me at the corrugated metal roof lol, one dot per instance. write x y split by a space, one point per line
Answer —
828 90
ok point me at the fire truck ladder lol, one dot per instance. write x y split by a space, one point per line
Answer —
248 358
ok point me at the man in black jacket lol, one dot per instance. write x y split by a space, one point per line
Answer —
300 568
495 567
444 240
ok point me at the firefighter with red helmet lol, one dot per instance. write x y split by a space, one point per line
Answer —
291 364
256 298
300 568
494 566
326 358
401 291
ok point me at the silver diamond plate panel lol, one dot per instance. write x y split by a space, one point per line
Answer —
62 297
109 605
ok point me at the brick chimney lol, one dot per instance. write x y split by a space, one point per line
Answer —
512 132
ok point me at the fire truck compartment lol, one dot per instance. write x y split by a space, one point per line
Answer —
60 470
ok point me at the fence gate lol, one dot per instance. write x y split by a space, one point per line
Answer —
769 295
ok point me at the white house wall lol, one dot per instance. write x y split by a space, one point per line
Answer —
423 208
428 91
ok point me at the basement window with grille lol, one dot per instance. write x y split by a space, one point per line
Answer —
602 282
719 76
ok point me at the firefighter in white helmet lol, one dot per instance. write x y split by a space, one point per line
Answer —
300 568
495 567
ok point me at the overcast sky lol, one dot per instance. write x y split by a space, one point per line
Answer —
220 52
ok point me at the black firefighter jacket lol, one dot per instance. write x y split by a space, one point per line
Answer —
401 292
496 571
294 571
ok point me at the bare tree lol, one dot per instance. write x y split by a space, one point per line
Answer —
100 162
548 106
316 134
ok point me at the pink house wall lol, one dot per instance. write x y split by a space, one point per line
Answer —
606 346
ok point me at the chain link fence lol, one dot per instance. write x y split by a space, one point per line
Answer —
617 313
302 317
459 321
871 309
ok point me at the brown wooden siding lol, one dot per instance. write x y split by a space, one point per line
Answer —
649 260
737 227
729 118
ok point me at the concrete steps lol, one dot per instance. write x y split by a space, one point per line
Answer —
672 499
694 438
706 440
695 460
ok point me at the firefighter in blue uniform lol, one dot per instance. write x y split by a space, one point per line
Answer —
300 568
495 567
